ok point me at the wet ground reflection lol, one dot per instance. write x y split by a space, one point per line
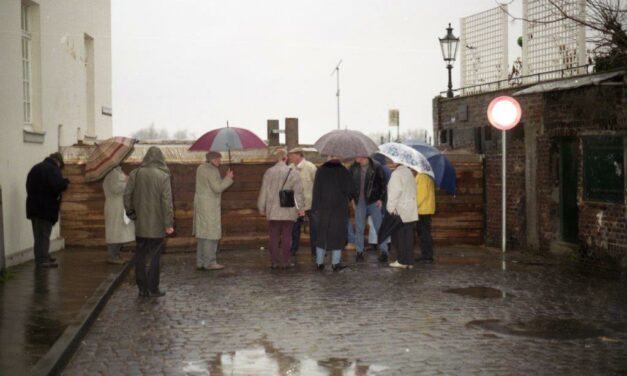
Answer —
543 327
262 359
480 292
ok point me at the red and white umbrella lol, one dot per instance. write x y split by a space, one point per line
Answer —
227 139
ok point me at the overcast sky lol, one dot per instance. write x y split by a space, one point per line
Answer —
194 64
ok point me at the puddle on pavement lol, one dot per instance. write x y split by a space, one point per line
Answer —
480 292
541 327
263 359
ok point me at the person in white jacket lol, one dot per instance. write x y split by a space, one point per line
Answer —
402 201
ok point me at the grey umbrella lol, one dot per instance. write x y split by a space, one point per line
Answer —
345 144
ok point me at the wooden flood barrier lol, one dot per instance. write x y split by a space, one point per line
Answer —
458 220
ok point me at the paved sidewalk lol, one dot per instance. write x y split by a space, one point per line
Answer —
36 306
461 316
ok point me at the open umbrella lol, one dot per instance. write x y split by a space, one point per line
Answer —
227 139
345 144
107 155
443 170
407 156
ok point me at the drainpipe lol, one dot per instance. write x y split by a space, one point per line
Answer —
2 262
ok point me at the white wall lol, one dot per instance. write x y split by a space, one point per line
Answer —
63 24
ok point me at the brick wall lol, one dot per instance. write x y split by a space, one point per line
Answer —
547 118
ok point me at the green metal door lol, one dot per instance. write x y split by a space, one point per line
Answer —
569 213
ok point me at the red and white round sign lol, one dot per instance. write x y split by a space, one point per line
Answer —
504 112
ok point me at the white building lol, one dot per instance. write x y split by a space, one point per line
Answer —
55 88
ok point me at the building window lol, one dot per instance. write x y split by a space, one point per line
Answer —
604 168
27 69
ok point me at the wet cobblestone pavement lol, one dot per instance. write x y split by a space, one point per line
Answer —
460 316
36 305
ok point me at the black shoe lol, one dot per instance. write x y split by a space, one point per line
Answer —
143 293
47 264
359 257
383 257
51 259
338 267
320 267
156 294
425 260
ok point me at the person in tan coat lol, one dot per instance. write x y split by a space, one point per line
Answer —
280 219
208 211
118 229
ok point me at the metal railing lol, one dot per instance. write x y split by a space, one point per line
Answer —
512 82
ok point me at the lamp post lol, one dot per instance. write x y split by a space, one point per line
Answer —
449 45
504 114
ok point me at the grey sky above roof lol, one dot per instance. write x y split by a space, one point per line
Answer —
194 64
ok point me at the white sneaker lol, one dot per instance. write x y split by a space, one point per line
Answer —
397 264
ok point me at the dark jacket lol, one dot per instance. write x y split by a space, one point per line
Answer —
44 185
332 191
375 182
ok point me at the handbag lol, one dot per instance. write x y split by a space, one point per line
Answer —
286 196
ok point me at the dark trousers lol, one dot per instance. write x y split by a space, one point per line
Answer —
41 235
312 233
403 241
150 248
424 232
280 241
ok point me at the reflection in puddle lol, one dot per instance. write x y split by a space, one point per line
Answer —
480 292
263 360
541 327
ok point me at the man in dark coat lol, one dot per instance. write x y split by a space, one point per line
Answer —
370 188
44 185
332 192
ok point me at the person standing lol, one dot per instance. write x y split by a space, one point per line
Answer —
332 193
307 172
148 201
402 201
208 210
425 190
281 220
117 230
370 188
44 186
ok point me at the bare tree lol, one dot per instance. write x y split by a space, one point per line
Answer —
151 133
606 21
410 134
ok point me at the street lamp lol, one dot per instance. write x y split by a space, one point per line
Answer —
449 46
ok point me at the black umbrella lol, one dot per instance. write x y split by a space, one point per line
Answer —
389 225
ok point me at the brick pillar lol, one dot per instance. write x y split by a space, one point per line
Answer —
291 133
273 132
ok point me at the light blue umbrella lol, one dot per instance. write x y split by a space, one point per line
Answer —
443 170
406 155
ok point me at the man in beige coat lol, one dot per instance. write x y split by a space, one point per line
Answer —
280 219
207 210
148 201
307 172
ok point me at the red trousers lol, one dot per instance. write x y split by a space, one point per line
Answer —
280 242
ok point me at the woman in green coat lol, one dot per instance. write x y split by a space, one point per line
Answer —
207 210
